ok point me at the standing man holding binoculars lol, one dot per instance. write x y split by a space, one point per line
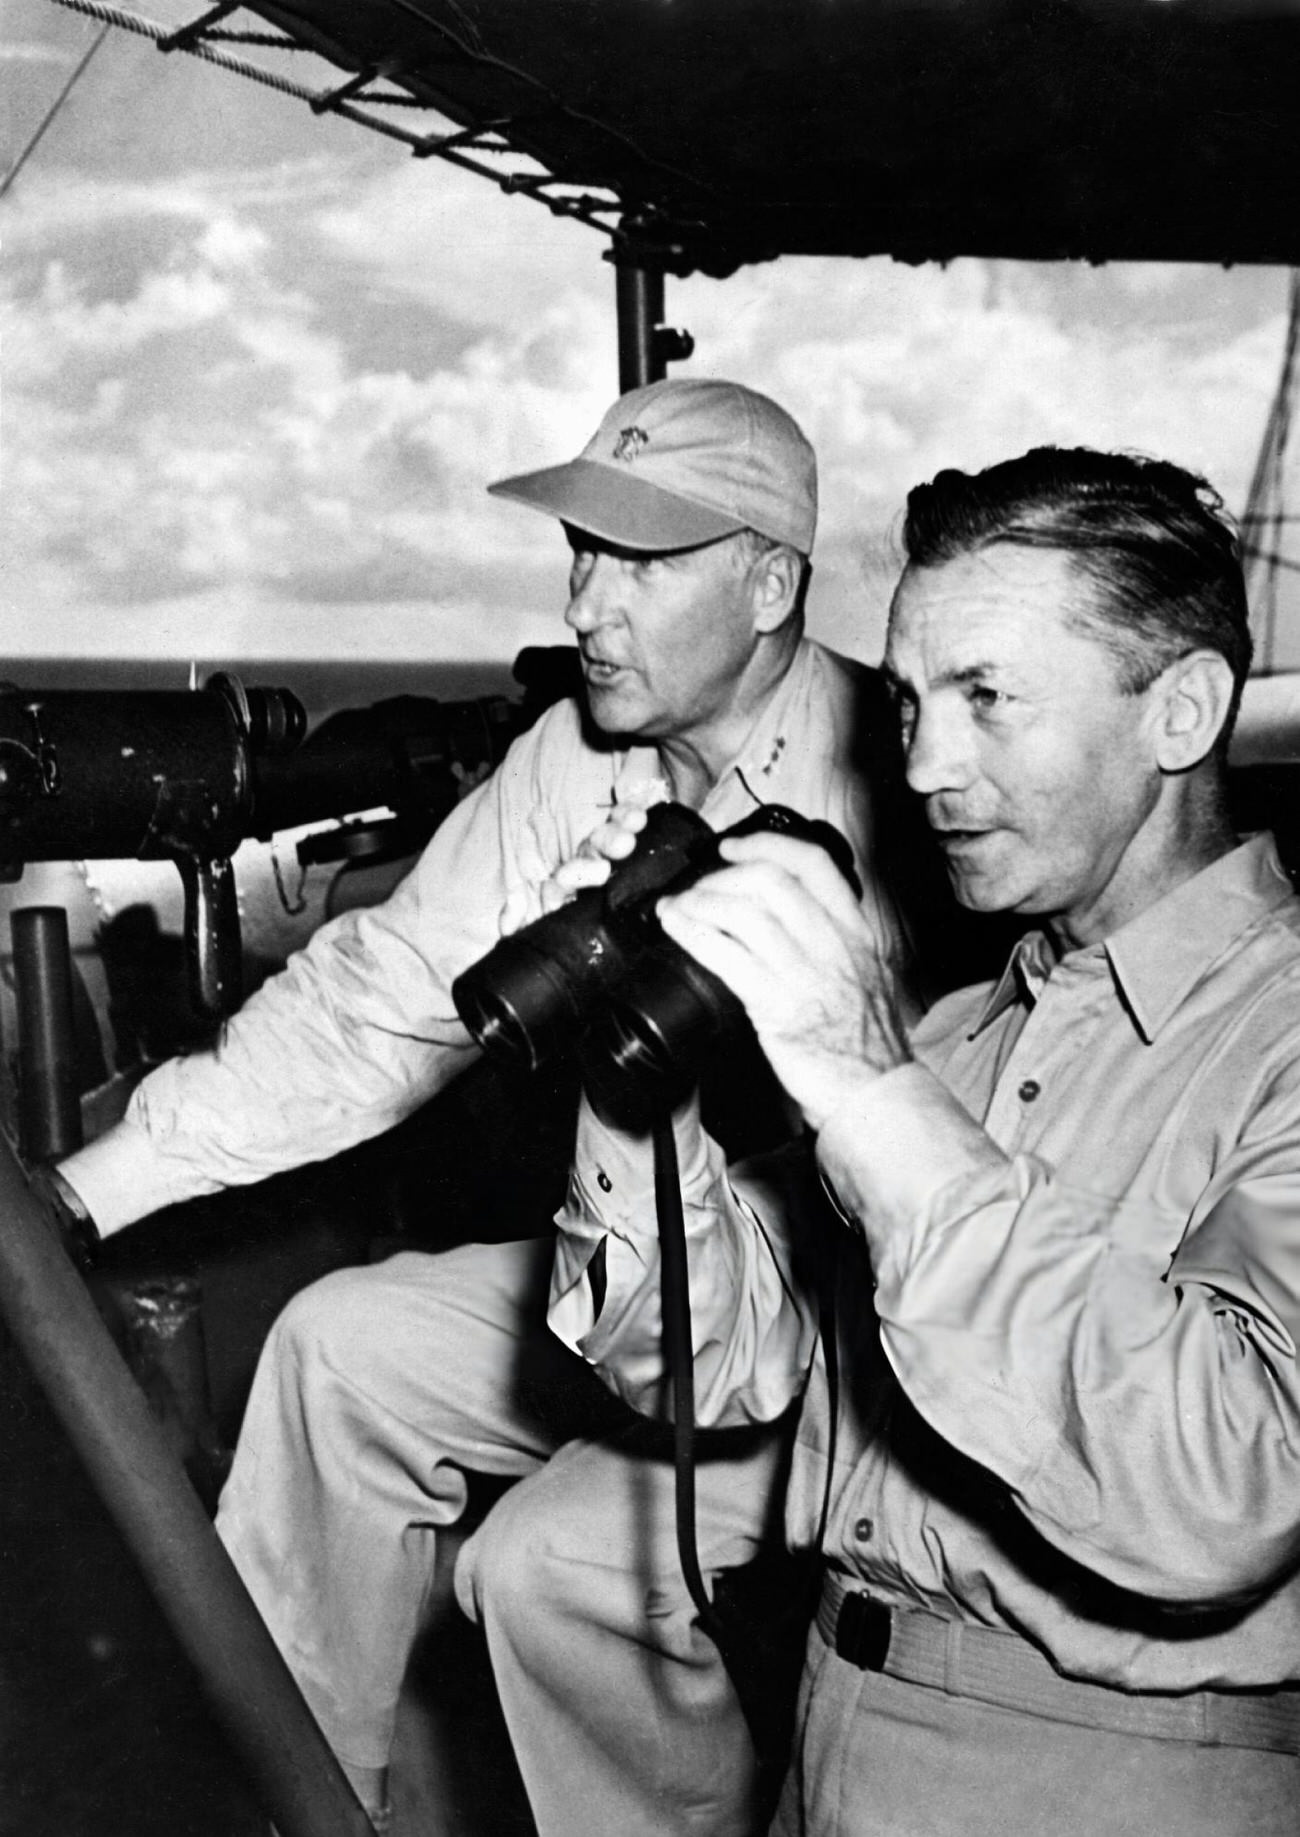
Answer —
691 516
1049 1452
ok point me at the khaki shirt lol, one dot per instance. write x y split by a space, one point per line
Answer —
360 1028
1069 1397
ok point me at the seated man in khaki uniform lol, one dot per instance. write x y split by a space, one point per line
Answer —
690 516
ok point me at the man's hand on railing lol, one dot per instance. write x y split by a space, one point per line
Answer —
75 1227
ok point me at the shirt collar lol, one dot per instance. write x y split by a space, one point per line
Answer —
1028 967
757 764
767 744
1158 958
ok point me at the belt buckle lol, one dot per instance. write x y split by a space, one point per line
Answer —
862 1631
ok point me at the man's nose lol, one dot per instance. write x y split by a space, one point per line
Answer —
938 752
593 595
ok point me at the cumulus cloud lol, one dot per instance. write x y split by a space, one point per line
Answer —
85 211
251 410
896 372
15 52
449 239
197 443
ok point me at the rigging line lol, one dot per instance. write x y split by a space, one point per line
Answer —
1269 449
585 208
59 100
147 28
1263 505
1284 436
1273 560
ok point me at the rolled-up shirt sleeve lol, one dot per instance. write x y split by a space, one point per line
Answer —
358 1029
1143 1412
752 1326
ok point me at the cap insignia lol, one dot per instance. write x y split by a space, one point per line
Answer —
630 442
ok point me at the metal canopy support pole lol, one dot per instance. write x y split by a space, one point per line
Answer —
639 291
144 1488
646 346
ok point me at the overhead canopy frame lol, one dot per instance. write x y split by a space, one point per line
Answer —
923 129
712 133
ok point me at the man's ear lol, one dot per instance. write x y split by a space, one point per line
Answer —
1191 705
778 574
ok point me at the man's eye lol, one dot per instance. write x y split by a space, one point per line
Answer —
983 697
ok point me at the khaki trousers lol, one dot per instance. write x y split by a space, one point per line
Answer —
377 1390
877 1757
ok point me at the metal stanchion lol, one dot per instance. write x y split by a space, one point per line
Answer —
142 1485
49 1104
639 294
646 346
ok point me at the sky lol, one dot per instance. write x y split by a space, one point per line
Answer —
259 367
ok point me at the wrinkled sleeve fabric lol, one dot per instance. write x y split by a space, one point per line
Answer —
359 1028
753 1324
1144 1416
753 1329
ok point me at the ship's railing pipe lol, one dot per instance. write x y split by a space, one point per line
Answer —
56 1326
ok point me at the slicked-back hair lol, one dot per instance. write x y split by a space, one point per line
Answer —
1152 540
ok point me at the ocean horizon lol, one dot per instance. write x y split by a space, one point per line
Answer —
323 685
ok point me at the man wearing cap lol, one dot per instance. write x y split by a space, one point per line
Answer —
690 515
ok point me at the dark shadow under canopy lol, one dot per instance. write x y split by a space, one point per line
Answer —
739 130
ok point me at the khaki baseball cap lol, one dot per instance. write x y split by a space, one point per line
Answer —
681 463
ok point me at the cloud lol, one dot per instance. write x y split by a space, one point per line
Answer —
450 239
899 369
896 372
17 53
251 410
68 210
198 444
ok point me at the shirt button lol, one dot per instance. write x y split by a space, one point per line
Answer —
603 1181
864 1530
1029 1090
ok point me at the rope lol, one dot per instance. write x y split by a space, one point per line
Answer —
584 208
275 41
59 100
148 28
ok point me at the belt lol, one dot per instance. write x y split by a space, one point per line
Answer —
1002 1669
